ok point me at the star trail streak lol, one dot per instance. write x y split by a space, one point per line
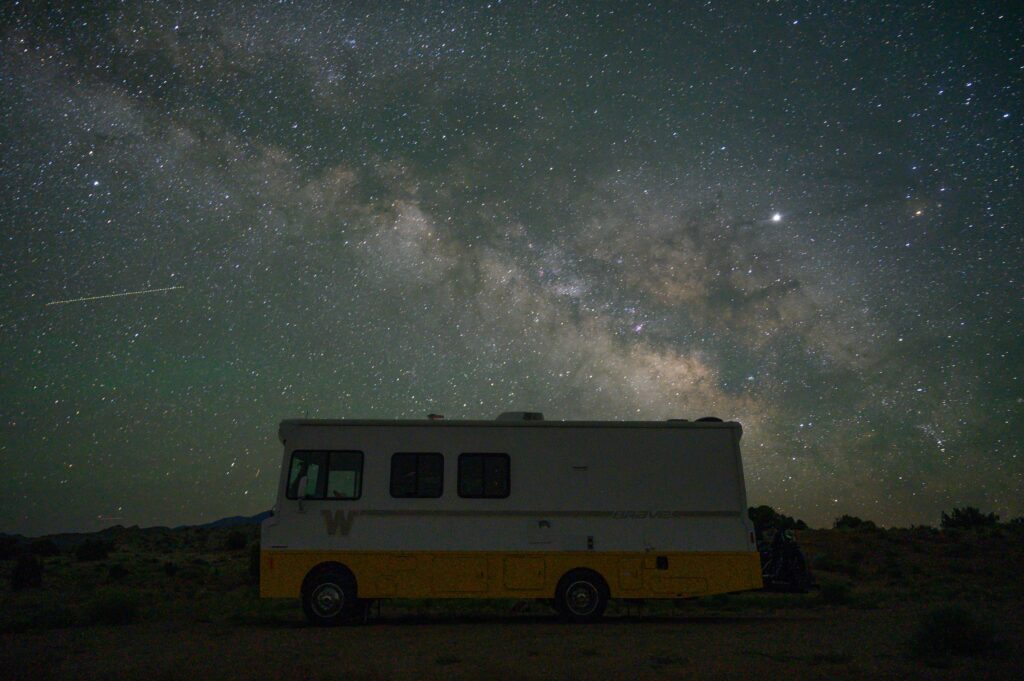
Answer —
114 295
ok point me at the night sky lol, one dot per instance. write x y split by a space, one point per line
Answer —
806 217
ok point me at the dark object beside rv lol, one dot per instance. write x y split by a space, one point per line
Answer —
783 565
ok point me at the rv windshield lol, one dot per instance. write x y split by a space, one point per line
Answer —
306 466
325 475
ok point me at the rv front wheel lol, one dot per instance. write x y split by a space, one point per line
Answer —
582 596
329 597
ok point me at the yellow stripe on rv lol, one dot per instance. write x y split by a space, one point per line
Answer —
475 574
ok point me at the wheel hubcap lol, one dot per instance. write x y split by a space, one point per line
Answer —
328 600
581 597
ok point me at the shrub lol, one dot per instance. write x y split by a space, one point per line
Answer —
923 533
117 572
829 563
1018 521
44 547
192 573
893 567
41 609
170 569
967 518
766 517
113 607
165 542
852 522
93 549
951 630
254 562
27 573
10 547
195 539
236 541
834 592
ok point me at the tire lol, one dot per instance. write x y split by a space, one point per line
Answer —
329 597
581 596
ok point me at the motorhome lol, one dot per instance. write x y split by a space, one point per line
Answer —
570 512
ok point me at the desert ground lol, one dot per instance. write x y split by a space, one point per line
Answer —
181 604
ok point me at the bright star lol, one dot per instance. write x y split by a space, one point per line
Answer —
777 217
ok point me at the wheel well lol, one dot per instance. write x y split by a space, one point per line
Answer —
330 566
579 572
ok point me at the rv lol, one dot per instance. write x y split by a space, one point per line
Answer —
569 512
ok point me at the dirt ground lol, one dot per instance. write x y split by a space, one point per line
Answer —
181 604
835 644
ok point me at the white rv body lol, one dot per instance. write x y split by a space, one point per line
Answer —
657 509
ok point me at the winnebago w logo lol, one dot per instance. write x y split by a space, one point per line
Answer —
339 522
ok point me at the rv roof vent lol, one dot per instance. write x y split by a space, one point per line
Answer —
709 419
521 416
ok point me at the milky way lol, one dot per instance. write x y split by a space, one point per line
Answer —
806 220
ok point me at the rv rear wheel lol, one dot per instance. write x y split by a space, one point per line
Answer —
329 597
581 596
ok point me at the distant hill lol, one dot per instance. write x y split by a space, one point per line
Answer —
236 521
69 540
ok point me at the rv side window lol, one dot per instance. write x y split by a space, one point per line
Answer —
417 475
318 474
345 478
484 475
